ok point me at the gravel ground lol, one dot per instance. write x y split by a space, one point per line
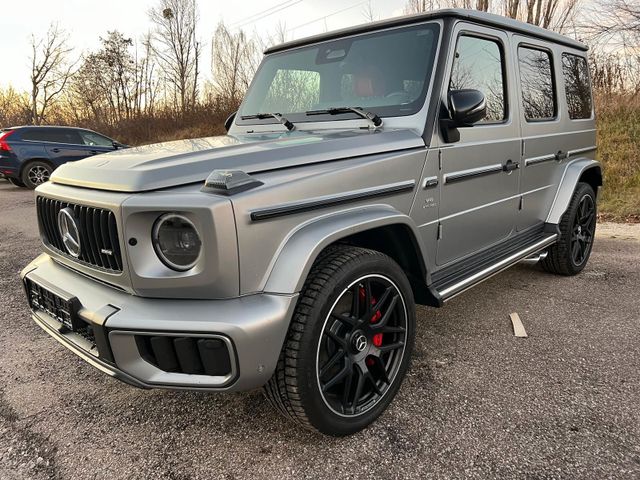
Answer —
477 403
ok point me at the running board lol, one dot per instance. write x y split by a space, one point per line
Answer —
448 291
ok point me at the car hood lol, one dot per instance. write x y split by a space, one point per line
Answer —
182 162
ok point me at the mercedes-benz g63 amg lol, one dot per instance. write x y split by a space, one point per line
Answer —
367 170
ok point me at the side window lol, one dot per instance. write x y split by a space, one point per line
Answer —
34 136
68 136
93 139
56 135
577 86
536 80
479 64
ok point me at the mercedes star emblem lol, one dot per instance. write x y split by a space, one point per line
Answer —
69 231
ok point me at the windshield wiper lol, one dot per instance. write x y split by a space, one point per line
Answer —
372 117
261 116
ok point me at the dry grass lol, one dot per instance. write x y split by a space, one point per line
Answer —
619 152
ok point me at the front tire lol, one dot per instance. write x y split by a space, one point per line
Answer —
571 253
349 343
36 173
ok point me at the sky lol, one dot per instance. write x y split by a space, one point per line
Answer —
87 20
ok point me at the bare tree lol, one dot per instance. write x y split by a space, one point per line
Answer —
50 70
235 58
482 5
368 13
618 23
511 8
420 6
551 14
555 15
176 46
15 107
114 84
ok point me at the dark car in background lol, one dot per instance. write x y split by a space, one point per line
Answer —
28 155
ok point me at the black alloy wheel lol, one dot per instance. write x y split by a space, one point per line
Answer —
349 343
584 227
362 345
577 229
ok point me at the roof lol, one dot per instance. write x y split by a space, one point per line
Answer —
43 126
474 16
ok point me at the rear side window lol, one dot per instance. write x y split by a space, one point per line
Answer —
34 136
56 135
577 86
536 80
479 64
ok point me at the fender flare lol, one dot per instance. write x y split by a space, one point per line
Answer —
303 245
570 178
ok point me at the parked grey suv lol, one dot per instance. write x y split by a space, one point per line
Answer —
368 170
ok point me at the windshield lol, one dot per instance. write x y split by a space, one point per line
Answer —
386 73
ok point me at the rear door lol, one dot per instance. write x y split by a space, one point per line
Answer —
478 198
544 144
63 145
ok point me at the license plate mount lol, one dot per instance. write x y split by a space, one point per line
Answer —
61 308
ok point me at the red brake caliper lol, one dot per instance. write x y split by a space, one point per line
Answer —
377 338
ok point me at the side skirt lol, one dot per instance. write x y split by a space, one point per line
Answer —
464 274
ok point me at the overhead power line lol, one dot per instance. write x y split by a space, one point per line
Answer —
265 13
324 17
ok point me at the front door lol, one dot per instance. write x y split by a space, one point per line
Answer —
479 176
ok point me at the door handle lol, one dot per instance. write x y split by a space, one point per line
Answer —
55 150
93 152
510 166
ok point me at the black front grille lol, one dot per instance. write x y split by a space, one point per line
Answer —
98 233
192 355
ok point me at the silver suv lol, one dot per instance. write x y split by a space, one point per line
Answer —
368 170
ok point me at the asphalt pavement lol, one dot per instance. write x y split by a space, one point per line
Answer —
477 403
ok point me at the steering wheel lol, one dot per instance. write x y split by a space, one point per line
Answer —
403 96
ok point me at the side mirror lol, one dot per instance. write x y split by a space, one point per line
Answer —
466 107
229 121
118 145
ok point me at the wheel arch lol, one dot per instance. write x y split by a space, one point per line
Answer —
380 228
580 170
26 163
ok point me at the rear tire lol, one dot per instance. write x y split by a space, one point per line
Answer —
571 253
36 173
349 343
15 182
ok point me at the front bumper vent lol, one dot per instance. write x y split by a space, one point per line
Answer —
98 231
191 355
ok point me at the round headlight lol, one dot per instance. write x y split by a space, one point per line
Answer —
176 241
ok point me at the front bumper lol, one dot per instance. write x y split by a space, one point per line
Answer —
253 328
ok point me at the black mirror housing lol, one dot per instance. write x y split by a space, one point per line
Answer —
229 121
466 107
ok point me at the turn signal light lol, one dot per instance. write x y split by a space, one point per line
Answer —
229 182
